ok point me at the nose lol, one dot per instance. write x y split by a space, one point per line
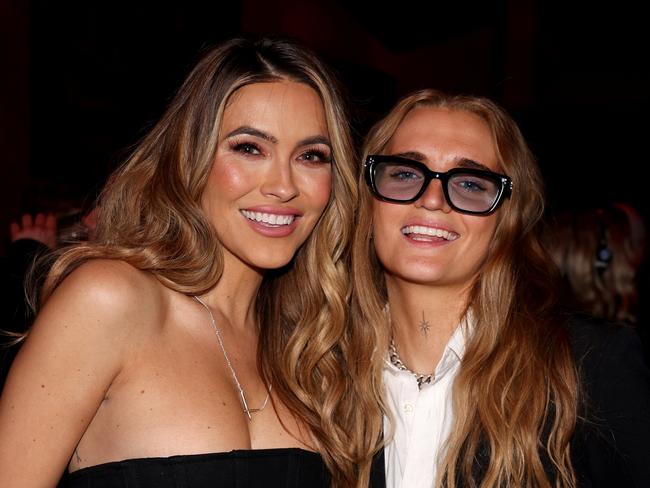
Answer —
279 181
433 197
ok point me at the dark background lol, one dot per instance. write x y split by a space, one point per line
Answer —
82 81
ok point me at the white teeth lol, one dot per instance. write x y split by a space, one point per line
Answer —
430 231
268 218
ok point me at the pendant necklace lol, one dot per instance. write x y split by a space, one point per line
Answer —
248 411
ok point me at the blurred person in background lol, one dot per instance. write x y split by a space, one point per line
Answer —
26 264
600 253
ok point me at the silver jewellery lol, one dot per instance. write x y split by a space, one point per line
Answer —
397 362
242 397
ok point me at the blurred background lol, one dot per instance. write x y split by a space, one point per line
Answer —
82 81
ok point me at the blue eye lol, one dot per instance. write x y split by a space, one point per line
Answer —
472 185
404 174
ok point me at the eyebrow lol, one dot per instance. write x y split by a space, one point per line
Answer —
414 155
469 163
251 131
308 141
462 162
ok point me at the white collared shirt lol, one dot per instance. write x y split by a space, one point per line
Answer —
423 418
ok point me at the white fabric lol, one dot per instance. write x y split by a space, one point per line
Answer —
423 418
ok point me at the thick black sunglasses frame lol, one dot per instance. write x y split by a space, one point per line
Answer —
504 183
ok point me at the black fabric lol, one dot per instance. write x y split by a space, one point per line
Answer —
612 444
258 468
378 471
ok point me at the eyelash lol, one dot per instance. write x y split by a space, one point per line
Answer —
251 149
245 147
323 156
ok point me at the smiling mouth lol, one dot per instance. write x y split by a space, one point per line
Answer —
269 219
420 232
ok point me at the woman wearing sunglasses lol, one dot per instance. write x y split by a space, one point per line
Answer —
484 383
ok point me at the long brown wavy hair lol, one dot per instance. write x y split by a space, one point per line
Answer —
150 216
515 398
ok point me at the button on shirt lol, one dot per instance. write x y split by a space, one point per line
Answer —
422 418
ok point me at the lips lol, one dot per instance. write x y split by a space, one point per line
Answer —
426 233
271 219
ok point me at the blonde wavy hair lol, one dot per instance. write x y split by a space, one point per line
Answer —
150 216
516 394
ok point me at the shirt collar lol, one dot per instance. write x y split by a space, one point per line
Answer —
462 333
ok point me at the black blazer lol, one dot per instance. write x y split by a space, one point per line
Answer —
611 445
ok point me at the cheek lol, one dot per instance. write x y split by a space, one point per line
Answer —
226 181
317 188
229 178
384 218
385 236
483 228
487 225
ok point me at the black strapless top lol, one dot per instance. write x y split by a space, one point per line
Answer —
268 468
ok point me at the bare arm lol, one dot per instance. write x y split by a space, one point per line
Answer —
59 378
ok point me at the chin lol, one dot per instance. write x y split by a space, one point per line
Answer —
270 262
419 270
421 279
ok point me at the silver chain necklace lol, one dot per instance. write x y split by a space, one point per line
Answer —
248 411
399 364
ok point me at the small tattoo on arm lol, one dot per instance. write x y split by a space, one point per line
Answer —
424 325
76 455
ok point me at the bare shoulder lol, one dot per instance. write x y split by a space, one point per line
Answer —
109 292
89 326
78 346
111 282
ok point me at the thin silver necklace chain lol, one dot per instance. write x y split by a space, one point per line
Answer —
242 397
399 364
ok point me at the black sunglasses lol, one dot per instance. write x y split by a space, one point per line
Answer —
400 180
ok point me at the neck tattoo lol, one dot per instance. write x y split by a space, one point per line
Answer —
424 326
242 397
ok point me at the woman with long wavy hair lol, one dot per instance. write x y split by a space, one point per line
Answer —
200 339
482 381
